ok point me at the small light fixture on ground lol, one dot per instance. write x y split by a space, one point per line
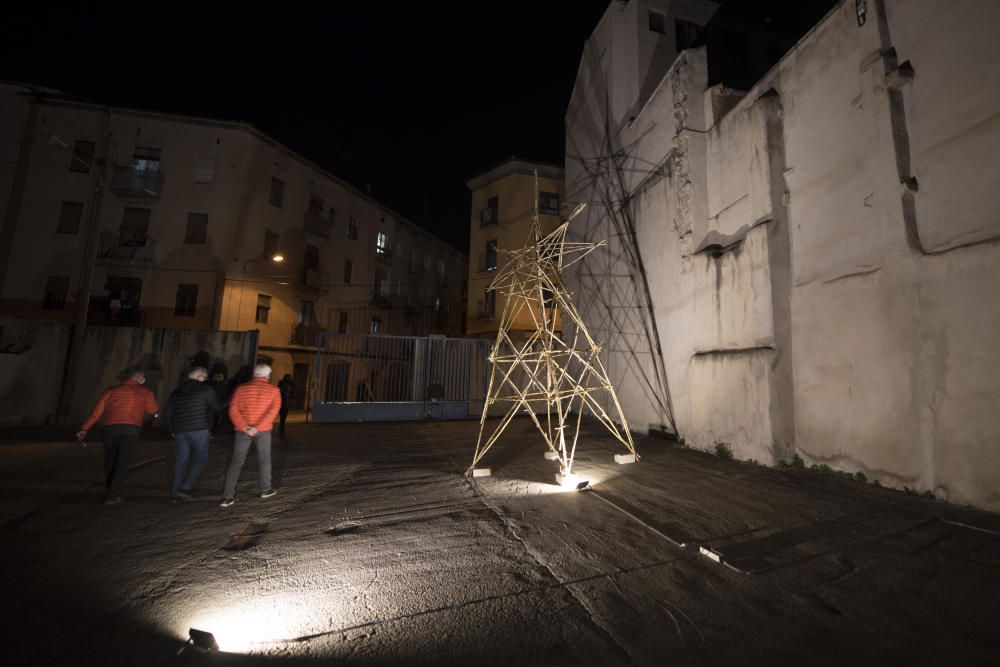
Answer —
572 481
481 472
551 455
622 459
203 640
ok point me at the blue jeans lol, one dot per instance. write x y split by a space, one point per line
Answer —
191 441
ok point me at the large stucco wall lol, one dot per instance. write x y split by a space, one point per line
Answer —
820 252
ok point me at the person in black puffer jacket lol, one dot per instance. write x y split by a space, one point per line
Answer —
190 415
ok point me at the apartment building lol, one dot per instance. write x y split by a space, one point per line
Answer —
193 223
503 207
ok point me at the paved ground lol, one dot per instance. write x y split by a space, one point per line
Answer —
378 551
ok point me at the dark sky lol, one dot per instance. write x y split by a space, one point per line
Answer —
412 97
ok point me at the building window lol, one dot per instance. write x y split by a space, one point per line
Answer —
307 313
187 300
56 288
688 35
548 202
657 21
437 304
377 285
331 215
312 258
348 271
270 243
376 324
352 228
382 244
442 276
490 259
491 214
342 324
83 156
197 228
69 217
204 169
146 160
277 192
135 227
263 308
489 303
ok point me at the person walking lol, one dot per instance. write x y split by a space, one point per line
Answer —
221 388
287 389
189 416
121 410
252 409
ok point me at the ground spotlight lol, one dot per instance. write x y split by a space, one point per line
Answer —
203 640
583 486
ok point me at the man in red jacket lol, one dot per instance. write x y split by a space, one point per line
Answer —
252 409
123 408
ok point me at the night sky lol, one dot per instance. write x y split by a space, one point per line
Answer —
412 98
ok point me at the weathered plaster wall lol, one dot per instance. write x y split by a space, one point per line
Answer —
820 252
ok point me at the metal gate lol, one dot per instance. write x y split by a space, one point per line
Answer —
361 377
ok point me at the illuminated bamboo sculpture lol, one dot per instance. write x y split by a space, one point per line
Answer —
565 375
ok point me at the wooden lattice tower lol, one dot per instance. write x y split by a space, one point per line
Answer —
564 375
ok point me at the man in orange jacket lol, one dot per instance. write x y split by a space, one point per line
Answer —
252 409
122 408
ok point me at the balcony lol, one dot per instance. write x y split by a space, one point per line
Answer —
317 224
487 262
306 335
131 183
381 301
383 255
125 247
105 312
316 280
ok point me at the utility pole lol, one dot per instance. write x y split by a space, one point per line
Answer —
99 165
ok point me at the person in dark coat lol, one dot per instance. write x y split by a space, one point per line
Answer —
190 415
221 388
287 388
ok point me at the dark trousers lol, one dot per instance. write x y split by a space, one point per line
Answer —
119 443
282 416
189 442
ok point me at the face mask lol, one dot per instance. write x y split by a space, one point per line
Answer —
141 380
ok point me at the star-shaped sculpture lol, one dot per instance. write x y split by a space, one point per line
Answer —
544 370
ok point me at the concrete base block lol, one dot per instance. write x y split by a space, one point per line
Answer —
551 455
481 472
622 459
708 553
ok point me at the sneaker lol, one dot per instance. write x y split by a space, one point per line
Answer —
226 502
112 501
184 494
268 493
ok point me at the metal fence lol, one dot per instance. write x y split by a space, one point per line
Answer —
356 376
